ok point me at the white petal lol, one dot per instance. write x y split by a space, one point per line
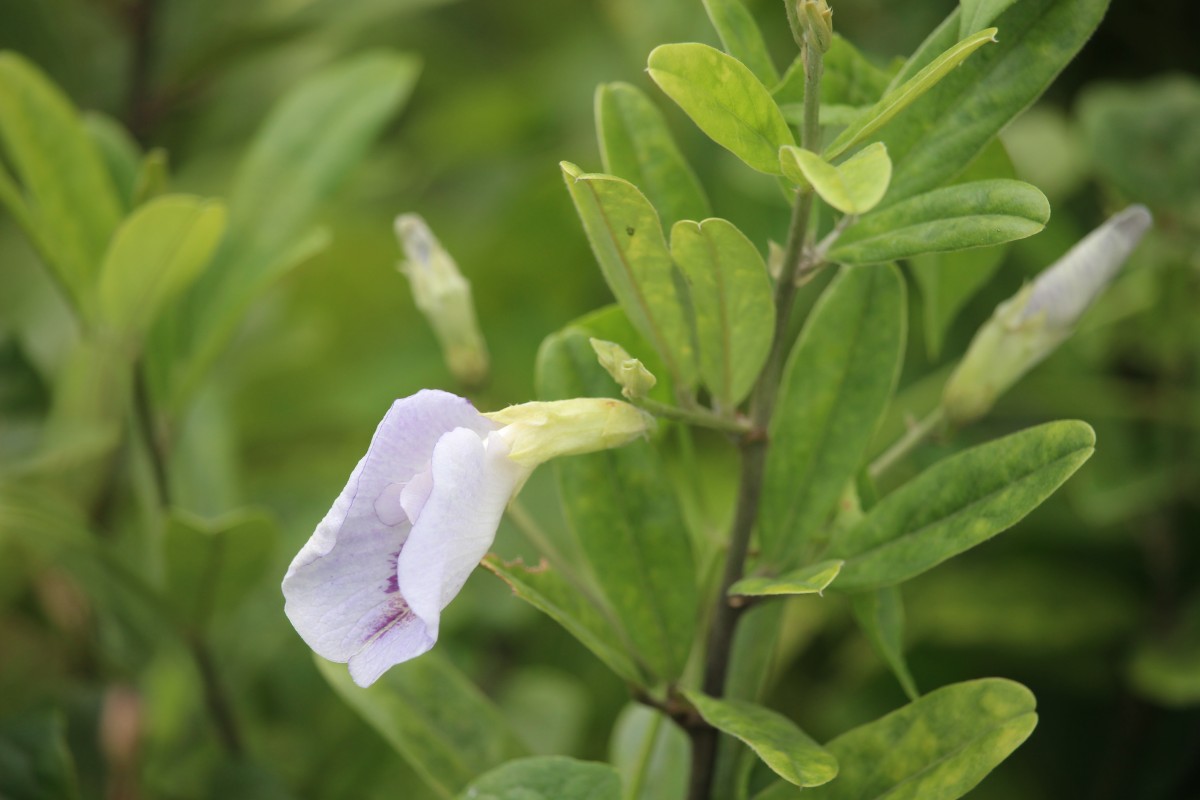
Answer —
472 483
341 590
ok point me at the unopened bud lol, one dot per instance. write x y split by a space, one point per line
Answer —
630 374
443 295
817 19
1028 327
538 432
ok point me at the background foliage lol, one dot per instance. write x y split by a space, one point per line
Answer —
1092 603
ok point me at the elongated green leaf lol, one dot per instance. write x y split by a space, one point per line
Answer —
35 763
975 15
434 717
880 614
958 503
155 255
776 739
308 143
813 579
954 218
72 202
725 100
627 239
635 144
650 753
212 566
906 93
732 301
546 778
120 152
741 37
621 506
853 187
944 130
936 748
547 591
835 387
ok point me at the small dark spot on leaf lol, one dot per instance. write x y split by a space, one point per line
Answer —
629 231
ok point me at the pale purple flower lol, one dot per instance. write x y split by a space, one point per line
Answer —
419 512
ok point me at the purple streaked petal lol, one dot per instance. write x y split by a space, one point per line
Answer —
472 483
341 591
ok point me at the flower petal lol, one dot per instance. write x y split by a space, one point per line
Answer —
341 589
473 481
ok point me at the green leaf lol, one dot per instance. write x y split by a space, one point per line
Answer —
848 79
852 187
944 130
621 505
813 579
212 566
635 144
310 140
547 778
936 748
904 95
725 100
835 387
153 177
155 255
628 242
549 592
975 15
741 37
434 717
958 217
120 152
650 753
72 205
959 502
778 742
732 301
35 763
880 614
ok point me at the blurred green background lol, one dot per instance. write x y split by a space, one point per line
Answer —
1093 602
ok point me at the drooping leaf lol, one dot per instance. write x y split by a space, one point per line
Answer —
725 100
958 217
547 591
936 748
813 579
835 387
628 242
434 717
156 253
310 140
959 502
35 763
212 566
621 505
72 206
880 614
650 753
732 301
853 187
907 93
782 746
635 144
741 37
944 130
546 778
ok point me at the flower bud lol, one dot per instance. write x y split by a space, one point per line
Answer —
443 295
1028 327
630 374
538 432
817 19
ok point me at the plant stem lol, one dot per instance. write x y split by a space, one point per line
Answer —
753 448
904 445
697 416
